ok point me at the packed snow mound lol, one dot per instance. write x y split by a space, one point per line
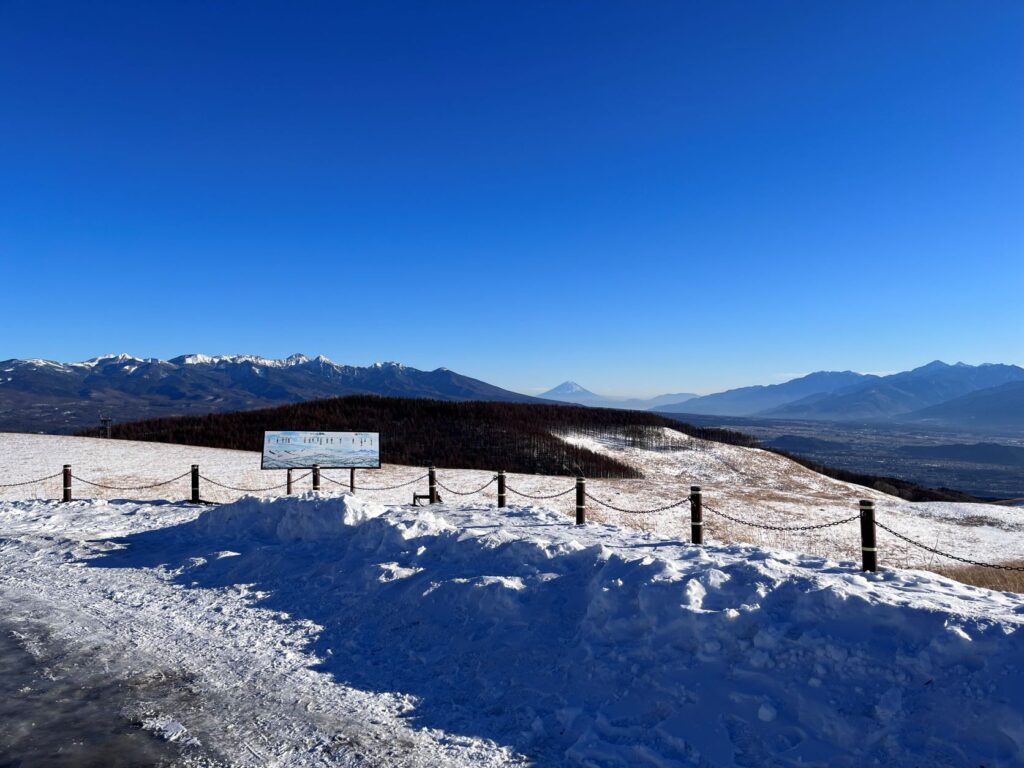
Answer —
596 646
313 516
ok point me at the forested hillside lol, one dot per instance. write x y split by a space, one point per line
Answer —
472 435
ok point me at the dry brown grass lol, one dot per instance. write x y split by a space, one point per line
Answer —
990 578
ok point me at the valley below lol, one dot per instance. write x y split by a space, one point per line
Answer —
937 458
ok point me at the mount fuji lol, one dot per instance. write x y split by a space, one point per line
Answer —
571 392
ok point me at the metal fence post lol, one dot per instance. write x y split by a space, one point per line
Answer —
67 482
869 551
581 500
316 477
195 483
696 515
432 483
352 480
288 489
501 488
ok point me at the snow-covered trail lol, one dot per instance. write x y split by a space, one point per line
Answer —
257 699
326 630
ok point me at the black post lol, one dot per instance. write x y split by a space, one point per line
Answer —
352 480
869 552
195 483
581 500
432 481
316 477
696 515
288 489
67 482
501 488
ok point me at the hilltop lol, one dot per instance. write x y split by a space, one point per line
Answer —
332 630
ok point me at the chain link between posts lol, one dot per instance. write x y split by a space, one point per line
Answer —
32 482
483 487
817 526
664 508
237 488
539 498
934 551
374 488
131 487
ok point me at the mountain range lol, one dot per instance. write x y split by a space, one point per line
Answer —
988 410
43 395
749 401
571 392
986 397
47 396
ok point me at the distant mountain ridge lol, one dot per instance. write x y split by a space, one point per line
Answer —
571 392
988 410
900 393
749 401
48 396
43 395
984 397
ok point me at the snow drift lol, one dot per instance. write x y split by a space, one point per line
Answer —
598 646
312 516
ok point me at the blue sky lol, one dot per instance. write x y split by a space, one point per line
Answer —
643 197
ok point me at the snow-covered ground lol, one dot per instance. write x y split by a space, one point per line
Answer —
338 630
745 483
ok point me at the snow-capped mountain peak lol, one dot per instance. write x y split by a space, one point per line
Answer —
257 360
568 388
92 362
195 360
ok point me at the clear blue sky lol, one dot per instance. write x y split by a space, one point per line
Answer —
643 197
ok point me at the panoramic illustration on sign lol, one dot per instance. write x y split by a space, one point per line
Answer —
329 450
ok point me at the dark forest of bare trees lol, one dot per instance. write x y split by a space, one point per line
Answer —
516 437
470 435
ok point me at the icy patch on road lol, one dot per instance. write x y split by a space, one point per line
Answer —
168 729
62 706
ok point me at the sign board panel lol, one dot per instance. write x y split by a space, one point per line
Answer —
331 450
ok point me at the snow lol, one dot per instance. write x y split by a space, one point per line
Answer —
330 629
747 483
256 360
39 363
194 359
766 488
315 519
92 362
